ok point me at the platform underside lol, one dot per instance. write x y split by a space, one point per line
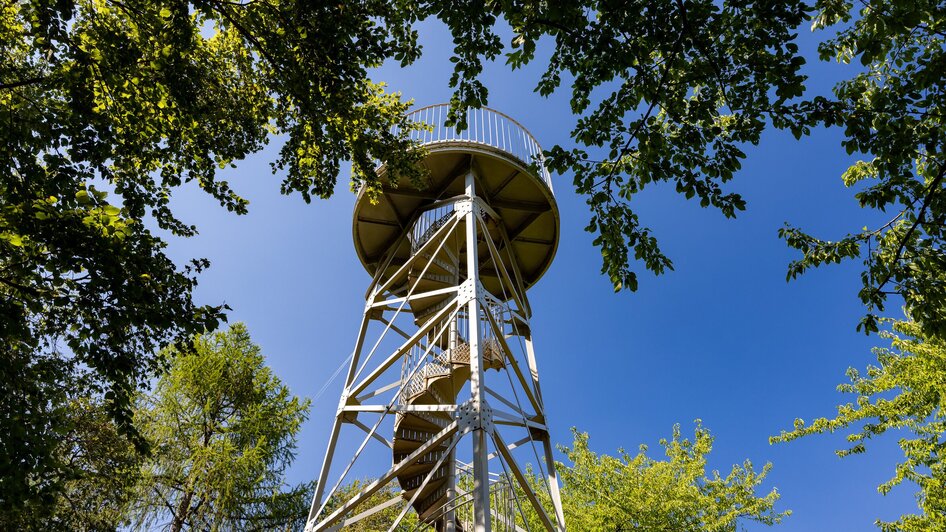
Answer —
525 205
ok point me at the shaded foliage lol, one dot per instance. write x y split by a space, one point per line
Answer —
674 91
666 91
892 115
105 469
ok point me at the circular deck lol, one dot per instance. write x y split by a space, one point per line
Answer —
510 178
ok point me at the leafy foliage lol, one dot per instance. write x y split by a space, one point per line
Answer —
892 113
109 106
637 492
673 91
903 393
223 430
106 108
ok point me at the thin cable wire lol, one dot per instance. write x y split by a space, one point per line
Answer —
331 379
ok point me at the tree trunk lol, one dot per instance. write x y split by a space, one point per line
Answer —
180 515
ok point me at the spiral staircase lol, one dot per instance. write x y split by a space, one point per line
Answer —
436 382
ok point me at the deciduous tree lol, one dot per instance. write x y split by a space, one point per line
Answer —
107 107
104 472
892 114
674 91
902 394
637 492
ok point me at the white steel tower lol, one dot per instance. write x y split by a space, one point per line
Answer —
444 354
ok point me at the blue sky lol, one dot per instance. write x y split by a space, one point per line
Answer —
723 338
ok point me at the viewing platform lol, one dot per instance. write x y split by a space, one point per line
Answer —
511 179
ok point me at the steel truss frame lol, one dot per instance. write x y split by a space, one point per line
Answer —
502 317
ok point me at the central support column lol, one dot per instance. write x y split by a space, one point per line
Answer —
481 517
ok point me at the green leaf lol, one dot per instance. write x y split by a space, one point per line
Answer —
13 239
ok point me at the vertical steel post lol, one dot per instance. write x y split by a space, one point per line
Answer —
450 516
546 441
481 513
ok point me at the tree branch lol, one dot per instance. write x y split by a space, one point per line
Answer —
247 34
932 189
553 24
655 98
23 82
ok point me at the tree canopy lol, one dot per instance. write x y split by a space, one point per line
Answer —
892 114
105 469
638 492
109 106
675 91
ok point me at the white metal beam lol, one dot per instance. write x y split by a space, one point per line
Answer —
523 482
526 386
368 513
481 510
373 433
400 408
394 357
437 238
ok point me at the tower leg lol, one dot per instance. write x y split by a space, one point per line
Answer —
450 516
546 441
553 483
481 511
323 474
337 424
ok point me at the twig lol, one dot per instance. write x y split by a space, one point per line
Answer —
933 188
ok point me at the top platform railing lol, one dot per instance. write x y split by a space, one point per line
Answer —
486 127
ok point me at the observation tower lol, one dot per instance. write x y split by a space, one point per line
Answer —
444 355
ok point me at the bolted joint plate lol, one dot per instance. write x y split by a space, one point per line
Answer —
466 206
469 417
463 207
484 211
466 292
469 291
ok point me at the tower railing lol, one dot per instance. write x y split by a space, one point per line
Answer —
486 127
